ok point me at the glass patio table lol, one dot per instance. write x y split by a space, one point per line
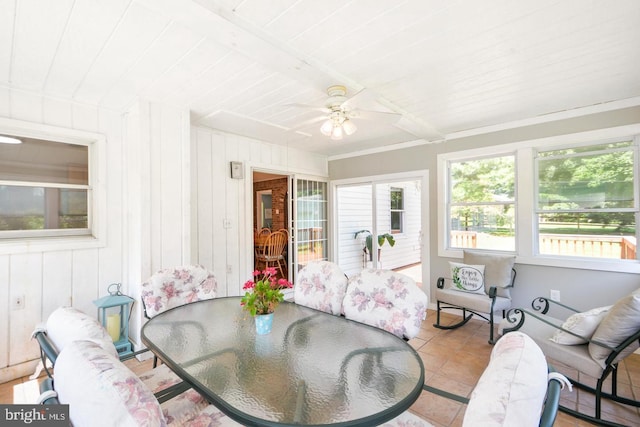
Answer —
313 368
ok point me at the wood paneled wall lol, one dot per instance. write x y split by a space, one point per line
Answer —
222 234
60 274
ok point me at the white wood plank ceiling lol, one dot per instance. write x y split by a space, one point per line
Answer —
447 66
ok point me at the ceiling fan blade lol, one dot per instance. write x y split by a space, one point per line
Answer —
383 116
308 107
307 123
362 97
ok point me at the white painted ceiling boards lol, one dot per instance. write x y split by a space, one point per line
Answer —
446 66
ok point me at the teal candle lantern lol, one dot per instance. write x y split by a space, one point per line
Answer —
113 313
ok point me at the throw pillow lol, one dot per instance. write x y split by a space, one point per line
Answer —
622 321
497 270
467 278
583 324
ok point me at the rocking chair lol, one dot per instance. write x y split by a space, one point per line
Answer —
482 297
591 342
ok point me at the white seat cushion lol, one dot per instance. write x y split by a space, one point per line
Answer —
407 419
475 302
512 388
68 324
101 391
570 355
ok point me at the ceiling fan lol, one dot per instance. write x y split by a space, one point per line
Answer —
339 113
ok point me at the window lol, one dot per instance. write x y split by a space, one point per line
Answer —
44 185
397 210
568 201
482 203
586 204
48 188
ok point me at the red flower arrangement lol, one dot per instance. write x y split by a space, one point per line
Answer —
263 295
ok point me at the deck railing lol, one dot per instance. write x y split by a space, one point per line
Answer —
464 239
618 247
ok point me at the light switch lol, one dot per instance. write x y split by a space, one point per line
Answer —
226 223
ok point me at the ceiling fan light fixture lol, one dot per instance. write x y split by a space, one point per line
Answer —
327 128
349 127
9 140
336 133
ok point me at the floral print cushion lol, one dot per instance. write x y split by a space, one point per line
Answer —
68 324
387 300
186 409
174 287
321 285
101 391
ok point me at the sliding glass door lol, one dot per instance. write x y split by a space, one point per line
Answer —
379 224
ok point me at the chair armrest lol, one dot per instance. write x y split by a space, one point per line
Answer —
48 395
440 283
517 316
493 291
542 305
46 346
552 400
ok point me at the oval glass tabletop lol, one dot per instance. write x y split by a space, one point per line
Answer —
313 368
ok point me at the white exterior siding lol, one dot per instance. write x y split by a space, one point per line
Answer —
354 214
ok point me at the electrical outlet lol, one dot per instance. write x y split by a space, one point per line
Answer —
17 303
229 269
554 294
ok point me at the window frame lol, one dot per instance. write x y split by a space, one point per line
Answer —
399 211
526 192
27 241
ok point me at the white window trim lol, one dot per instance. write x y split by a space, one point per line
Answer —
402 211
97 180
525 203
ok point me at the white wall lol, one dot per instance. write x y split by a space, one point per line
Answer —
217 198
157 196
67 274
168 190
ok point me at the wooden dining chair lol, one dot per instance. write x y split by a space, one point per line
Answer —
272 252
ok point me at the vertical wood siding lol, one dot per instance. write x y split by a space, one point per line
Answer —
49 279
218 197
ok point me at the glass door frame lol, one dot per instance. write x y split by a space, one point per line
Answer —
292 178
419 175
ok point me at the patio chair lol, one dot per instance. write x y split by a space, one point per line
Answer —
101 391
272 252
321 285
591 342
387 300
63 326
173 287
516 388
480 285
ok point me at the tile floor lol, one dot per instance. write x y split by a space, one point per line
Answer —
454 361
